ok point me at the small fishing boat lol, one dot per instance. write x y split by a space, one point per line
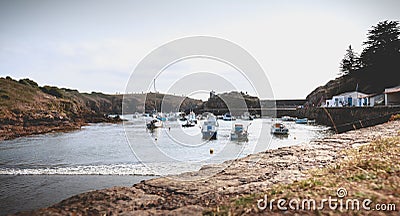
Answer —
302 121
228 117
161 117
183 118
279 129
172 117
153 124
135 115
210 127
238 133
192 117
288 118
246 116
188 124
313 121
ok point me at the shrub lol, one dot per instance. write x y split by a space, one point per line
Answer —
51 90
28 82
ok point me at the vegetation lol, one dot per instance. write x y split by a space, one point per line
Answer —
369 172
52 90
374 70
350 63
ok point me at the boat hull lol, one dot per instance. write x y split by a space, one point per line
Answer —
301 121
280 132
210 135
239 137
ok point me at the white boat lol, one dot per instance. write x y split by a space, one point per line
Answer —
239 133
228 117
288 118
279 129
192 117
135 115
312 121
154 123
210 127
246 116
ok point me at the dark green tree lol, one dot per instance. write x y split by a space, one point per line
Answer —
381 55
350 62
382 45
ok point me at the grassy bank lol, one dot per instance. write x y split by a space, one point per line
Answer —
370 172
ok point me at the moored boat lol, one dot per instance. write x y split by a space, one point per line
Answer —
153 124
288 118
279 129
192 117
188 124
161 117
210 127
302 121
238 133
228 117
246 116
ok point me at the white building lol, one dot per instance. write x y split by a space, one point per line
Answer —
392 96
348 99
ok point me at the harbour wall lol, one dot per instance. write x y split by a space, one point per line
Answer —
343 119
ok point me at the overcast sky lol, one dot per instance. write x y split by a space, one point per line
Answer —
95 45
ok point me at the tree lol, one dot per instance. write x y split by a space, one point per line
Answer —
381 55
382 45
350 62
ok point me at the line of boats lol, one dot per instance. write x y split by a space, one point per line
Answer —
209 128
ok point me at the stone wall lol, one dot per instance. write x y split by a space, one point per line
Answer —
343 119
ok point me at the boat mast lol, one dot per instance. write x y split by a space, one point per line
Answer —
155 95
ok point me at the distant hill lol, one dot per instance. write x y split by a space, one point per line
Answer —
161 102
27 108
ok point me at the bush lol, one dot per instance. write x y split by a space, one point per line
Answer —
28 82
51 90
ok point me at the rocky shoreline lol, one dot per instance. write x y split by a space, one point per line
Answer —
249 175
26 125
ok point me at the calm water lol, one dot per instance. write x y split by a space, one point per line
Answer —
38 171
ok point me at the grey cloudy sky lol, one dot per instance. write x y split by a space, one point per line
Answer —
95 45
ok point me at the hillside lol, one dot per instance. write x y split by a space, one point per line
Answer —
160 102
26 108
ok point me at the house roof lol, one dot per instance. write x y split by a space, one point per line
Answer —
347 93
392 90
370 95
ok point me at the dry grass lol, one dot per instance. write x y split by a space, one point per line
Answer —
369 172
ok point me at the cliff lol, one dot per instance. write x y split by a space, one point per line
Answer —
26 108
